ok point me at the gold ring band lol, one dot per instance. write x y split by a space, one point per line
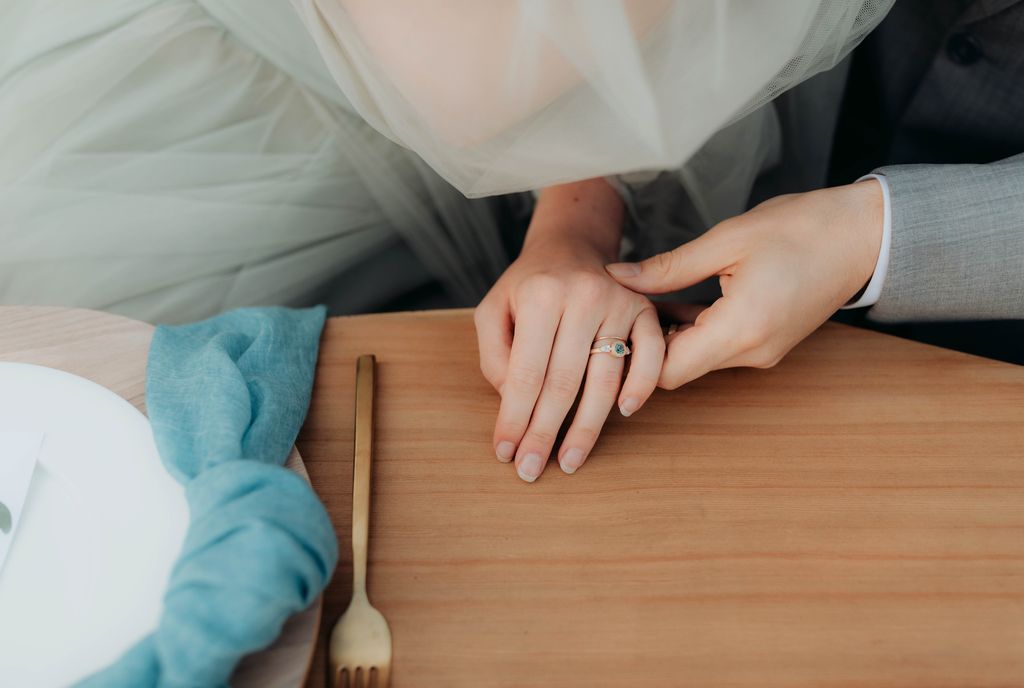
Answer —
616 346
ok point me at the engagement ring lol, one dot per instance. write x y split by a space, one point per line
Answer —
615 346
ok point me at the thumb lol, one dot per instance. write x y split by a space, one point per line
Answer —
681 267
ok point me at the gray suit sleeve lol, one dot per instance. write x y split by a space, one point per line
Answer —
957 250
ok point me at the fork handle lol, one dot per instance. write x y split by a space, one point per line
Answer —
365 367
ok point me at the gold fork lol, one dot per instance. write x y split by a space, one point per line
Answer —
360 652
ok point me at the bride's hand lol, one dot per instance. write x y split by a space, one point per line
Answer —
537 325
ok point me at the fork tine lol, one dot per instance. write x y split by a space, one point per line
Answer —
383 676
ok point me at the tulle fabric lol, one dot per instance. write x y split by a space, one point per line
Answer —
508 95
172 159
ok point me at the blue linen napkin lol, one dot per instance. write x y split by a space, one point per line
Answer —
226 398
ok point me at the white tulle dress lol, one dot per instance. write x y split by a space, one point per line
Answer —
169 159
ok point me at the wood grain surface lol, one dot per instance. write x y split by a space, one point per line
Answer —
852 517
111 351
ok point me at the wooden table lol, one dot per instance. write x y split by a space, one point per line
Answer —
852 517
111 351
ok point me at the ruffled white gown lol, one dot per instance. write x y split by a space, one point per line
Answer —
169 159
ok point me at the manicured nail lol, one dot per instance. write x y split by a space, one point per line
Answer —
629 406
529 467
571 460
505 451
623 269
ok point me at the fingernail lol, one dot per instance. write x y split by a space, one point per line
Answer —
629 406
505 451
529 467
623 269
571 460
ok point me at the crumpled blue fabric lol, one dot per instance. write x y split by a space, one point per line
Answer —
226 398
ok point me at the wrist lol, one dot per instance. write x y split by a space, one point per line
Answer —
867 208
587 214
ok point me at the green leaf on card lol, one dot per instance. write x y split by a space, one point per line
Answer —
5 519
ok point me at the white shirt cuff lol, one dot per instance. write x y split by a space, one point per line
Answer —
873 291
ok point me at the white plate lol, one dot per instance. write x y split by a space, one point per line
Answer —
102 526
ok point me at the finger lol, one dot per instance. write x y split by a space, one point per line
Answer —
604 377
645 362
673 333
715 337
527 365
494 339
569 358
681 267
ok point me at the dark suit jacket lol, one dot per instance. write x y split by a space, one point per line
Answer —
934 100
938 82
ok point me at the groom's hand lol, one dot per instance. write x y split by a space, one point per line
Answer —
784 268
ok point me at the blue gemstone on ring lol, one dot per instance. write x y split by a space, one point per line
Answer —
620 349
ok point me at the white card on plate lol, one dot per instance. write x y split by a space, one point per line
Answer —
102 524
19 451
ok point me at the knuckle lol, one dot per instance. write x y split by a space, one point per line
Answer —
643 381
729 224
543 288
623 301
756 331
588 287
607 381
562 383
509 430
670 380
540 436
764 358
664 263
775 359
526 378
584 434
748 341
490 373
